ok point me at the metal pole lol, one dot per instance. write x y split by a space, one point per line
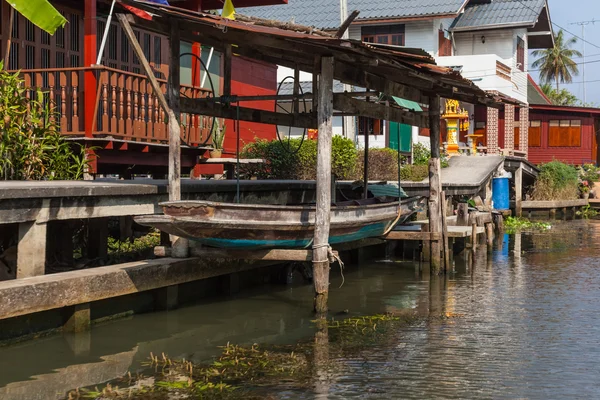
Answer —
210 54
105 35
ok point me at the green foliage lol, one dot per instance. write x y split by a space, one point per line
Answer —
31 147
414 173
518 224
556 181
589 173
587 212
383 165
218 134
560 97
142 246
284 162
422 154
556 64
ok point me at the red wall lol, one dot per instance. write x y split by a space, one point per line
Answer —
251 78
571 155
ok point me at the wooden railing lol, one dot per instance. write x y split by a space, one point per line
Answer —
125 106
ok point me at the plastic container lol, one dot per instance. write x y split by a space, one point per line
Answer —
500 194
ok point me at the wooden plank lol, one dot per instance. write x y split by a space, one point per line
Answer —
173 90
344 27
544 205
219 110
463 231
323 192
408 235
350 106
264 255
351 75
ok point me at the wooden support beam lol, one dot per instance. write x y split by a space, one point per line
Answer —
323 192
219 110
344 27
408 235
445 249
519 192
435 186
351 106
353 76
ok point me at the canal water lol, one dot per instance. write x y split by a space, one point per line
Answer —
520 322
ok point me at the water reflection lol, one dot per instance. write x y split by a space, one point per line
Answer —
520 322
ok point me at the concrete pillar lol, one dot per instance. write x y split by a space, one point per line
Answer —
492 130
77 318
31 251
509 126
524 129
166 298
97 238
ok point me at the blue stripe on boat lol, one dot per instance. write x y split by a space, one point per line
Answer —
372 230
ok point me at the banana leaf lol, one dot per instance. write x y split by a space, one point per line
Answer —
41 13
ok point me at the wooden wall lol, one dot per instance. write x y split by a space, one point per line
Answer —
586 153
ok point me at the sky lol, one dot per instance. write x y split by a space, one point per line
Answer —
564 13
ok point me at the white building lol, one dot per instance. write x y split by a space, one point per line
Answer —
487 41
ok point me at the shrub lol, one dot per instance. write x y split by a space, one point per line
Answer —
31 146
383 165
414 173
284 162
422 154
589 173
556 181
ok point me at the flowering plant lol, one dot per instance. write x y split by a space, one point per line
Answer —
584 186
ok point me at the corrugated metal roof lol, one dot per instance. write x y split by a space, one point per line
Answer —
287 87
325 14
499 13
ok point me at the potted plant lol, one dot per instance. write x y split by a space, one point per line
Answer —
218 136
584 187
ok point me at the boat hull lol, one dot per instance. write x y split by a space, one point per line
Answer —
243 226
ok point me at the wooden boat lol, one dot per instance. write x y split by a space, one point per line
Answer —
256 226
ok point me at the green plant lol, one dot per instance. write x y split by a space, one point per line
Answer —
31 146
414 173
218 134
589 173
556 181
556 64
587 212
422 154
284 162
518 224
383 165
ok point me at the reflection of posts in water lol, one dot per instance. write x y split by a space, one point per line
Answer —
321 358
436 295
517 247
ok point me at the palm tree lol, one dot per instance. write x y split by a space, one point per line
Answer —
556 64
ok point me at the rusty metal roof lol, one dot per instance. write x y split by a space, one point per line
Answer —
404 71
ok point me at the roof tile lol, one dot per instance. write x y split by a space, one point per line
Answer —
499 12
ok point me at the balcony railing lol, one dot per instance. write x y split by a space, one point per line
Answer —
125 106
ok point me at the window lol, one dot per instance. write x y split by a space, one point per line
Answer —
370 126
387 34
535 133
564 133
520 54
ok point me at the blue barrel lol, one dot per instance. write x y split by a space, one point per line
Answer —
500 195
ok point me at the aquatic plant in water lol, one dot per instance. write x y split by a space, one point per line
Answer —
253 372
518 224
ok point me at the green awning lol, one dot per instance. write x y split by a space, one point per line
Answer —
411 105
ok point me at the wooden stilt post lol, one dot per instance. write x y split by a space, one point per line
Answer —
445 251
435 220
366 162
322 215
180 245
519 192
